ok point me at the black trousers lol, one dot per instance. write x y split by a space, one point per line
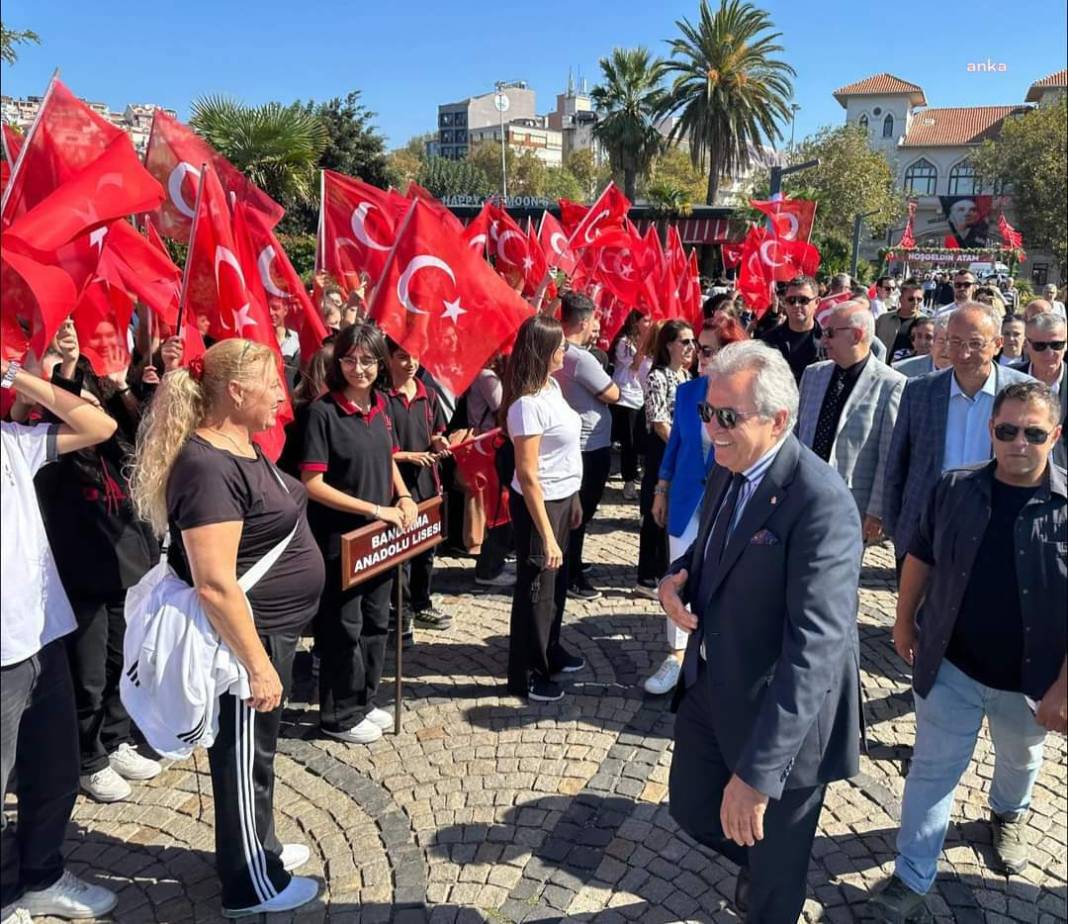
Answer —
628 427
496 545
95 651
778 865
596 465
242 779
652 539
39 747
416 587
350 636
540 595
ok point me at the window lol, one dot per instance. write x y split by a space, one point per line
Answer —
445 119
962 180
921 178
888 126
460 136
863 122
446 137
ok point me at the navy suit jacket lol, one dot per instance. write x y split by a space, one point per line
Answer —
779 622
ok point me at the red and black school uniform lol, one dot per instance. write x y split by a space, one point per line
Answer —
415 422
354 453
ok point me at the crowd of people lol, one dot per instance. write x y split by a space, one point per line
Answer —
764 454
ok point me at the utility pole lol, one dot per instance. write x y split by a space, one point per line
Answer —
777 173
858 220
501 101
794 107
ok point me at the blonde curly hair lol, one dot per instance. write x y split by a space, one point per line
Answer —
181 404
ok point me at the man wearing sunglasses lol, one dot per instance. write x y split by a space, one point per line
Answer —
1046 338
941 423
894 327
963 290
980 618
885 290
768 702
799 338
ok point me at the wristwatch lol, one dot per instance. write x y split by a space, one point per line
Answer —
660 492
13 369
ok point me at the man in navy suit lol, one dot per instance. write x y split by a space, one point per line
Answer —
768 702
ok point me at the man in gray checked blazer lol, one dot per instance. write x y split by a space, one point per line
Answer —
848 409
943 420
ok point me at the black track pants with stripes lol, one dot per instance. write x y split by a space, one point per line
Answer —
242 778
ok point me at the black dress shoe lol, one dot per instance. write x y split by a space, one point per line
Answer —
741 892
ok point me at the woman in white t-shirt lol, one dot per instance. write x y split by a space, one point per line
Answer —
627 418
544 507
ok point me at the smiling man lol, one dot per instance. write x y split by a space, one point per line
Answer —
768 702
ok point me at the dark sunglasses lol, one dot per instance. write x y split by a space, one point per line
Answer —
689 341
914 298
708 352
1040 346
1006 433
798 300
963 285
727 417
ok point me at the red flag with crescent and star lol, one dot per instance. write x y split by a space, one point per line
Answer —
476 463
359 224
608 213
174 156
791 219
553 240
571 213
476 234
756 281
1011 238
443 303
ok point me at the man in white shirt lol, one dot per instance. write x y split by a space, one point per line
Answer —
1050 293
1047 338
38 725
963 291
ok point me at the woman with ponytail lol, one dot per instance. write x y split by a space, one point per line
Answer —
198 473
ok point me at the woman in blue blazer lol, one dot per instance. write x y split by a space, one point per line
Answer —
688 458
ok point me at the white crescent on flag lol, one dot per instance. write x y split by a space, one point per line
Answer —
225 255
174 186
558 248
264 262
764 253
502 246
426 261
359 227
604 213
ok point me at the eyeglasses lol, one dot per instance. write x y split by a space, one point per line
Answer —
688 342
974 346
963 285
727 417
353 362
1040 346
888 288
797 300
913 298
1006 433
829 332
708 352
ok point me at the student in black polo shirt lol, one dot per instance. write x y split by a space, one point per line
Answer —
351 478
419 426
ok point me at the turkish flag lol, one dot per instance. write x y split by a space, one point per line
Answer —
476 234
143 267
690 292
732 253
535 266
476 463
791 219
282 285
35 296
102 318
571 214
756 280
608 213
442 303
674 252
826 305
174 156
1011 238
620 262
359 223
415 191
507 242
553 240
110 186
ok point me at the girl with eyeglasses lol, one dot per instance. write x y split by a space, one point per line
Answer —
352 479
675 347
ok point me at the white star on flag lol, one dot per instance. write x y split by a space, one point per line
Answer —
453 310
528 263
242 319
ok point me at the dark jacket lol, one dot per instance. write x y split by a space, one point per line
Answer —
1060 451
949 537
779 623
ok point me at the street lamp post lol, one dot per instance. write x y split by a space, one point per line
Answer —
794 107
777 173
501 102
858 219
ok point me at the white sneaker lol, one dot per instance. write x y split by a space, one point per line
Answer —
17 916
381 718
364 733
294 856
70 897
630 490
106 786
665 678
300 891
130 765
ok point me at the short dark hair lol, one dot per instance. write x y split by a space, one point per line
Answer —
1029 393
882 279
911 284
365 336
799 281
716 303
963 271
575 308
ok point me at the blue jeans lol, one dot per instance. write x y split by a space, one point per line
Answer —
948 721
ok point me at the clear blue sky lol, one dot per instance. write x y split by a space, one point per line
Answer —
406 57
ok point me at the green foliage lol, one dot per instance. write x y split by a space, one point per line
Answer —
1029 159
353 145
668 200
834 254
627 100
590 176
561 183
675 169
851 179
444 177
9 38
729 90
300 248
1025 292
404 163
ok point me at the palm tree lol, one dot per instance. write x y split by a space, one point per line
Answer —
628 99
729 90
277 147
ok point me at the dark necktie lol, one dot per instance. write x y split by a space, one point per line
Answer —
827 424
717 542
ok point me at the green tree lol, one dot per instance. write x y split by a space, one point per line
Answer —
486 155
627 100
403 164
1028 160
353 145
851 178
591 176
675 169
444 177
561 183
277 147
729 90
9 38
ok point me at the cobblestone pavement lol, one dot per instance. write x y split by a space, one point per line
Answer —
487 809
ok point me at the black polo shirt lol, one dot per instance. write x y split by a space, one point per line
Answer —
800 348
354 451
414 423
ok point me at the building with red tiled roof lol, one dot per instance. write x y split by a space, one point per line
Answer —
929 149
